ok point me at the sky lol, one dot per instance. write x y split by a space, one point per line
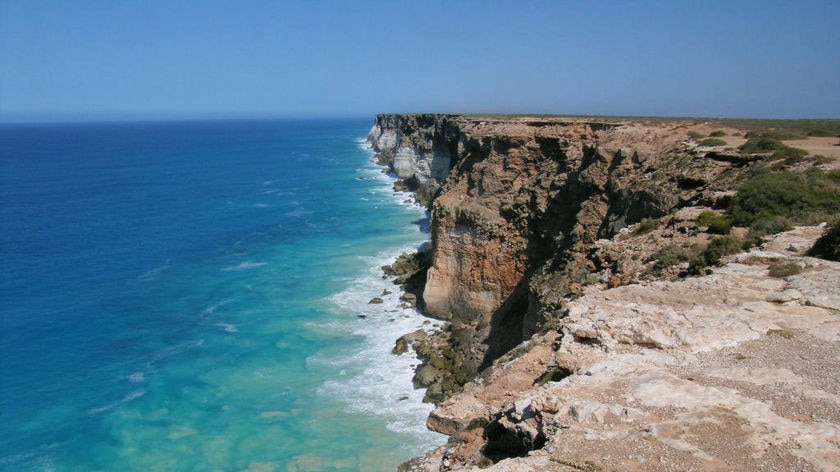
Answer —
150 59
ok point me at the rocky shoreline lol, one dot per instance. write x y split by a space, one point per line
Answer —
571 338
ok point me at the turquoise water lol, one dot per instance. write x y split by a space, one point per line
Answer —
186 296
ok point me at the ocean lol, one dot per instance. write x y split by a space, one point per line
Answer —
194 296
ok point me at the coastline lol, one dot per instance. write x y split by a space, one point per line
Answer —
385 387
515 338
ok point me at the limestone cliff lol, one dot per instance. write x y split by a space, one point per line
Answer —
732 371
571 343
522 203
419 149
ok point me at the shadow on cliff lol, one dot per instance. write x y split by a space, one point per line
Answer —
506 325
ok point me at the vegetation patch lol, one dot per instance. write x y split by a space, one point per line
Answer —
717 133
775 134
553 375
828 245
760 145
715 222
712 142
784 269
695 135
646 226
670 256
717 249
775 200
790 155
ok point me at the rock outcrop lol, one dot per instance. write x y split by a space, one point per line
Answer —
524 200
570 342
419 149
720 372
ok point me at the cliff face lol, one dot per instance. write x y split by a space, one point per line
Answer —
736 370
419 149
522 203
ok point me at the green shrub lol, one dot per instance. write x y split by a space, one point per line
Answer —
712 142
705 218
773 134
646 226
669 256
717 133
695 135
722 246
828 245
554 375
762 228
717 249
790 155
716 223
825 133
758 145
720 226
800 197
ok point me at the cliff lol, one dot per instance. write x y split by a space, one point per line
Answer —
531 215
521 204
736 370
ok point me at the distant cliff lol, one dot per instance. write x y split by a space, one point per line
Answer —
419 149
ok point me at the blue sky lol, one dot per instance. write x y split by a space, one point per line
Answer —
181 59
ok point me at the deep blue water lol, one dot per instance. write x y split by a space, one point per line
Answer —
186 296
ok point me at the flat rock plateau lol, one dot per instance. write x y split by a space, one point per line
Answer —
578 331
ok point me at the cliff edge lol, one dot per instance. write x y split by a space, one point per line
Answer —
531 217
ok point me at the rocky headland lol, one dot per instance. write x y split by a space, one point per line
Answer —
597 310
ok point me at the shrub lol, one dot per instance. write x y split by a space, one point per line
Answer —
695 135
720 226
781 270
757 145
825 133
554 375
717 249
669 256
828 245
716 223
722 246
773 134
717 133
646 226
790 155
801 197
712 142
762 228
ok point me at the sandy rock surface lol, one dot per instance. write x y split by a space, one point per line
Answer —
733 371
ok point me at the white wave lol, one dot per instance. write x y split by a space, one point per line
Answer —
212 308
136 377
383 387
364 144
153 273
227 327
129 397
174 350
133 396
297 213
244 266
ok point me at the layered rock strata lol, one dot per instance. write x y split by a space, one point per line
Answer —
736 370
569 344
517 205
